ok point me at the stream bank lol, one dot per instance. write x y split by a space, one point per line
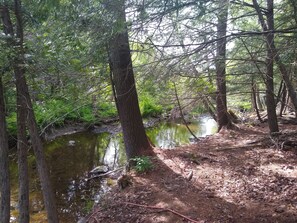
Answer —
74 151
237 176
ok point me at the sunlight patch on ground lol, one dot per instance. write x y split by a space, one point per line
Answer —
175 204
281 169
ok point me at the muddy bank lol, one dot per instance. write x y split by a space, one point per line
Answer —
111 126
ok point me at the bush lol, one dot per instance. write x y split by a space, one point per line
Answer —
56 112
149 107
86 114
107 110
53 111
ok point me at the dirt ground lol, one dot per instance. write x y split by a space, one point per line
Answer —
241 175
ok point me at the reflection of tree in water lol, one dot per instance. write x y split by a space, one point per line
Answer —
69 165
114 155
168 135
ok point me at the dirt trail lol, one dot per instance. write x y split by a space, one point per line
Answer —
238 175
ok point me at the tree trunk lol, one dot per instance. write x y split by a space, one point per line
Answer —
272 47
4 167
22 145
286 78
48 194
4 159
135 139
22 89
254 99
271 111
259 101
270 101
221 99
283 101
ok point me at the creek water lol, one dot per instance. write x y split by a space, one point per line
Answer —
72 157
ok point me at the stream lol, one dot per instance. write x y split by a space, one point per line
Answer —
72 157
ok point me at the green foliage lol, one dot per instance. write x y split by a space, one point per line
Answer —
86 114
198 110
148 106
142 164
107 110
88 206
57 111
53 111
12 123
243 105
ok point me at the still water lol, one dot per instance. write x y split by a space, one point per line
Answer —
71 157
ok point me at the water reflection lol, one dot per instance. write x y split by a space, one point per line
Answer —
168 135
71 157
114 153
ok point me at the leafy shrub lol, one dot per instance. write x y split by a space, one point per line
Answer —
53 111
142 164
107 110
86 114
56 111
148 106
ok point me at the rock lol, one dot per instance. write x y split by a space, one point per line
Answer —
100 170
71 143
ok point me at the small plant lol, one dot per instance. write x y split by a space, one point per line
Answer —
88 206
142 164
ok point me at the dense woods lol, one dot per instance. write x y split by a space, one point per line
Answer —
71 61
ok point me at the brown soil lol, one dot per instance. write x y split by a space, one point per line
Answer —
241 175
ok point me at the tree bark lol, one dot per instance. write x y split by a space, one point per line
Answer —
22 143
283 101
135 139
221 99
23 92
22 146
271 111
4 166
4 159
270 100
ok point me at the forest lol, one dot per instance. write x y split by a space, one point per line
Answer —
121 68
